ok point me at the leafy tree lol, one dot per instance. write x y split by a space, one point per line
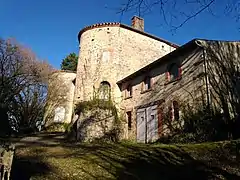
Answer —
70 62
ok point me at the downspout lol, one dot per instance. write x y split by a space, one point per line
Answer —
205 71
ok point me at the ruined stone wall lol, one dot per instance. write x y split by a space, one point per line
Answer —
96 124
59 108
189 87
111 53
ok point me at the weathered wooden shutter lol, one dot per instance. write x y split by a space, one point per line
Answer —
179 72
142 86
151 82
160 121
176 110
171 113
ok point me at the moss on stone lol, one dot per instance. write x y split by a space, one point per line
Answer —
98 107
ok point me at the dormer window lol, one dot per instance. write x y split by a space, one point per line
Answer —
173 72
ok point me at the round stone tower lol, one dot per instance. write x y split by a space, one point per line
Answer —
111 51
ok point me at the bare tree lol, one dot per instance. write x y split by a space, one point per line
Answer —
176 13
224 78
23 84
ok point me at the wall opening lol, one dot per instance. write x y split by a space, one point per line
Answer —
104 90
129 119
176 110
128 91
173 71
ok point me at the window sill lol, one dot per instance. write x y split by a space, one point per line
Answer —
146 91
173 81
129 97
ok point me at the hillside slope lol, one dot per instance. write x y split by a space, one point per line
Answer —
49 157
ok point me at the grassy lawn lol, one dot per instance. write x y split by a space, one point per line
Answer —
126 161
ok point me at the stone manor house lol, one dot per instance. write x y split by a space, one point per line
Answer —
145 76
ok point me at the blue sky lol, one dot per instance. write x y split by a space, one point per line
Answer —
50 27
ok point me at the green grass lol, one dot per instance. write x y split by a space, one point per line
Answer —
127 161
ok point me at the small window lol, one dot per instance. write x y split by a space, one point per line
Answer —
129 119
173 110
173 72
170 113
104 90
129 91
176 110
147 84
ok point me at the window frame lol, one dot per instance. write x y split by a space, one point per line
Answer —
168 72
102 89
174 111
149 80
129 92
129 120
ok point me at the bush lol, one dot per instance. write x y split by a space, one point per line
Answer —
201 124
178 138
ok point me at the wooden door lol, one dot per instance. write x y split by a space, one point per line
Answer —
141 125
147 124
152 123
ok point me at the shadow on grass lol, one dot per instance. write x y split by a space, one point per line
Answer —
157 163
169 164
126 162
26 167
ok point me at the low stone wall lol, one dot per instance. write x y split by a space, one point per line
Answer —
6 158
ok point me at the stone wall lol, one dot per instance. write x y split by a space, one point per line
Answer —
111 53
6 159
97 124
184 90
207 74
59 108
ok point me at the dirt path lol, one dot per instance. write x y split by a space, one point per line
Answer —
43 138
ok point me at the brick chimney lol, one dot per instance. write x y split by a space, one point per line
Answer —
138 23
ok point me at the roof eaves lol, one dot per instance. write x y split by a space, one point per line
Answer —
149 35
111 24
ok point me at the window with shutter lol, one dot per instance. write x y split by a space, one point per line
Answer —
147 84
173 72
128 91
